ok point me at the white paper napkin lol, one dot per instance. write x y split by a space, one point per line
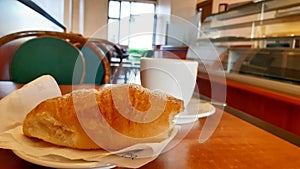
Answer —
15 106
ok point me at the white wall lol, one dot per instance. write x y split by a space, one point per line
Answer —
56 10
76 16
184 9
163 10
15 16
85 16
95 16
174 26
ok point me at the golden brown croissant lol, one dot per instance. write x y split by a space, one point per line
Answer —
114 117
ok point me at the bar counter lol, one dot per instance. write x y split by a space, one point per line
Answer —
234 144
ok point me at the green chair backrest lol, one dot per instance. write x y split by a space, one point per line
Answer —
94 67
48 55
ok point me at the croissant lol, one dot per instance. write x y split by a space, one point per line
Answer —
110 118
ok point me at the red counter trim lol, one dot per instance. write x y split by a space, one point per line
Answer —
279 109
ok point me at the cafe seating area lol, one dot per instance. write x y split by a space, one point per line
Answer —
93 53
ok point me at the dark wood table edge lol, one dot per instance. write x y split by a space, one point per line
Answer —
284 134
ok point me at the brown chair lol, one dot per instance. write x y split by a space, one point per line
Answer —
110 49
75 39
9 44
114 53
97 65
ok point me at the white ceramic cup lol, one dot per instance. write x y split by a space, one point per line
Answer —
174 76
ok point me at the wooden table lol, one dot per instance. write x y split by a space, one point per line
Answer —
234 144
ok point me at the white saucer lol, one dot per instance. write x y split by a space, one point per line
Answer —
184 118
58 162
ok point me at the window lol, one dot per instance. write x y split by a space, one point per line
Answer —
131 23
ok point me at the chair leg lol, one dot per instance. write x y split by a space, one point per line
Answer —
116 72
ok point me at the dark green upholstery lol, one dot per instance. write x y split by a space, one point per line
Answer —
47 55
94 67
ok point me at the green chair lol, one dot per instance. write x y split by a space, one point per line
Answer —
48 55
97 65
111 50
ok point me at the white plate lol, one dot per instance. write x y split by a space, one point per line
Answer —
58 162
183 118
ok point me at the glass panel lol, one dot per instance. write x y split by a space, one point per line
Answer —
114 9
138 8
113 30
141 32
125 9
124 31
132 30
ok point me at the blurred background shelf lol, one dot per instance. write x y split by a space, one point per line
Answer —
254 8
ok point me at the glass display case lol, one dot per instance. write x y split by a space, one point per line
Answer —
258 45
260 38
278 64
